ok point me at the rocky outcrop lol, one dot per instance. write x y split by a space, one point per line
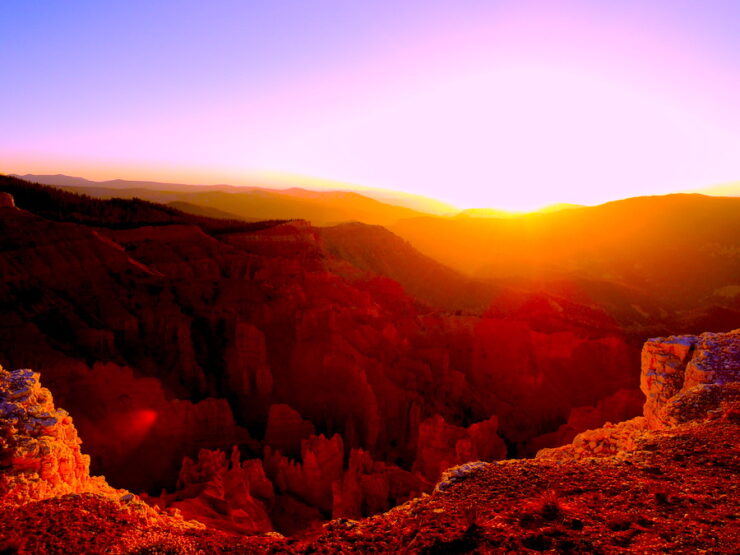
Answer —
40 453
47 494
289 494
311 480
224 493
369 487
663 370
6 200
685 379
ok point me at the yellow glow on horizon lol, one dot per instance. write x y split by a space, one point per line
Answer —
509 203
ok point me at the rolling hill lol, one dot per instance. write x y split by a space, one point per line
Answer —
249 203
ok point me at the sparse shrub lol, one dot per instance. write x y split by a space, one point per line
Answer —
549 505
546 506
473 518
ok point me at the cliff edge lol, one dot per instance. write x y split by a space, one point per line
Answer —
49 503
40 452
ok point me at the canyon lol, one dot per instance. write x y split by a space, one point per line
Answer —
666 480
271 376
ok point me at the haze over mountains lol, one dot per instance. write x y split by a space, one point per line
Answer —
318 206
626 256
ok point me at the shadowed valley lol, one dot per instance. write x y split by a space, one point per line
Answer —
338 369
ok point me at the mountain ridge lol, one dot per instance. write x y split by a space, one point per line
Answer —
249 202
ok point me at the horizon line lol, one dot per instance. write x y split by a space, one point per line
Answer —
730 189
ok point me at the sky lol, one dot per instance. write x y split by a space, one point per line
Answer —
506 104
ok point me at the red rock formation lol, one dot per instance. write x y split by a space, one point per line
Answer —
685 378
290 495
39 447
6 200
369 487
42 467
663 368
223 493
286 430
442 445
248 372
322 463
622 405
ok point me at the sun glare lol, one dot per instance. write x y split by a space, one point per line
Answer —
512 106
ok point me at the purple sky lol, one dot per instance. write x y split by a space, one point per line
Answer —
512 104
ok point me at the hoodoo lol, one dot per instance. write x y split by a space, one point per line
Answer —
665 481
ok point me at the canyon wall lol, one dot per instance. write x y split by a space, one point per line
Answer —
163 340
684 378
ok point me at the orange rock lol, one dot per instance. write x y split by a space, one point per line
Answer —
686 377
39 448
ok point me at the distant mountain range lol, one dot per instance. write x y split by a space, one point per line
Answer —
276 201
247 203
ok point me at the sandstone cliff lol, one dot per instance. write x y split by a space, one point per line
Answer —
40 452
684 378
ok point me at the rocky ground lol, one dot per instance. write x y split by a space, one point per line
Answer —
657 483
678 492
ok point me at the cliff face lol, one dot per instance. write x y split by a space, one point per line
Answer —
40 452
48 500
7 200
687 376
